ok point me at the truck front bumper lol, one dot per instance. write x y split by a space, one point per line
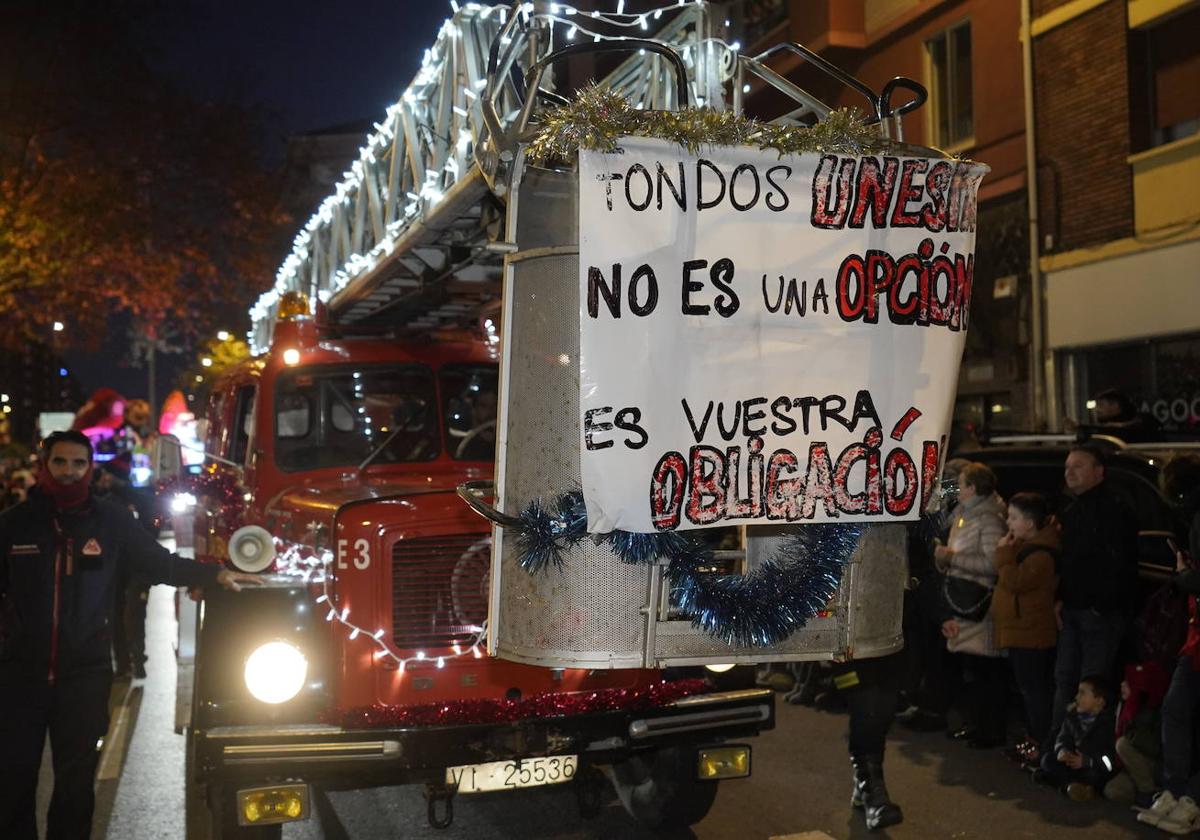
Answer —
341 758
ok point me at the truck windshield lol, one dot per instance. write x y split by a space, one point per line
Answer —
336 416
469 397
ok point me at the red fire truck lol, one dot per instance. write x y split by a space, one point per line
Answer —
333 467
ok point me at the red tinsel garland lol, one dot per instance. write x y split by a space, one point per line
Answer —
545 705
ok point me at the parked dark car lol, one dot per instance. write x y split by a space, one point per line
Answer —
1035 462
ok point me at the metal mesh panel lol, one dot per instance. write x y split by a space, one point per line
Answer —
877 591
590 610
439 590
864 619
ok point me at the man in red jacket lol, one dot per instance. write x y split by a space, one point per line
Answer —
62 556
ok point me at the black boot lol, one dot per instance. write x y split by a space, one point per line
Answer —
870 793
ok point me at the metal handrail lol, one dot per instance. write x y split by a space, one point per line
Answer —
1111 440
828 68
534 76
881 109
472 492
1033 438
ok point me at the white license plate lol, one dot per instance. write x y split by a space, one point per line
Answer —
510 775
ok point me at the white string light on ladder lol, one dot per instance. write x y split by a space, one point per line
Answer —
574 26
430 193
620 17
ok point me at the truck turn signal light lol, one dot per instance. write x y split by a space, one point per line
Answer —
725 762
268 805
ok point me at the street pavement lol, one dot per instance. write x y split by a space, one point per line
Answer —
800 784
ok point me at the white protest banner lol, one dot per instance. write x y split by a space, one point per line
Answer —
767 340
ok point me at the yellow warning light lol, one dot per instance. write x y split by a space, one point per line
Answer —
264 806
728 762
293 305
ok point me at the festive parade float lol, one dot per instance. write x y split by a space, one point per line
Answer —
708 361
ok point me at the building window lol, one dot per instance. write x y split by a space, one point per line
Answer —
1165 71
950 86
1161 376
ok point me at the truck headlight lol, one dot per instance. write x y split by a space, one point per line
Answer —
275 672
182 502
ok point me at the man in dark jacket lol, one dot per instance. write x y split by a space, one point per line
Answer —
1097 576
62 555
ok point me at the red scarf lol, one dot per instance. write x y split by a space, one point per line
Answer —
65 496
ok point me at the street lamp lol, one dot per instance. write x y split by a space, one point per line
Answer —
207 362
58 326
223 335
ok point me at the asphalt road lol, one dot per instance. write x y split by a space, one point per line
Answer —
800 784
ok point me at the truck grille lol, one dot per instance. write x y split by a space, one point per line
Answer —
440 589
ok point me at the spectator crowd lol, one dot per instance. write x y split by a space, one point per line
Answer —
1019 614
1016 612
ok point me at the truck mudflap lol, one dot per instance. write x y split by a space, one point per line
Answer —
341 758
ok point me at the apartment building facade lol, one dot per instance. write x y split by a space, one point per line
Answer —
1108 296
1118 159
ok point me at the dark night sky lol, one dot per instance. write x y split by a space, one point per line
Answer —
311 65
316 63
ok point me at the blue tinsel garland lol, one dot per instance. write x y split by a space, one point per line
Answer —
762 608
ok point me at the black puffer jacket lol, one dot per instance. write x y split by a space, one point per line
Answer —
1099 552
59 574
1093 739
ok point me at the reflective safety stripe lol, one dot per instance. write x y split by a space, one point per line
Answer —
846 680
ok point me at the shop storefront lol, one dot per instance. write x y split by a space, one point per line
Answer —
1131 323
1161 376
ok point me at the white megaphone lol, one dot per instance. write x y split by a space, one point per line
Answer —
252 548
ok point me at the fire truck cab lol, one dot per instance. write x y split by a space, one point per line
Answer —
362 662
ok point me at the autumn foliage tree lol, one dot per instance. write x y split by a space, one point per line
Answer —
223 355
119 192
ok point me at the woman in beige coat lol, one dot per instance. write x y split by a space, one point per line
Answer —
968 561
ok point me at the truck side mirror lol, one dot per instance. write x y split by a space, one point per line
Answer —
166 459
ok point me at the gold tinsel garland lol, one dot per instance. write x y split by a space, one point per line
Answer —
598 117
